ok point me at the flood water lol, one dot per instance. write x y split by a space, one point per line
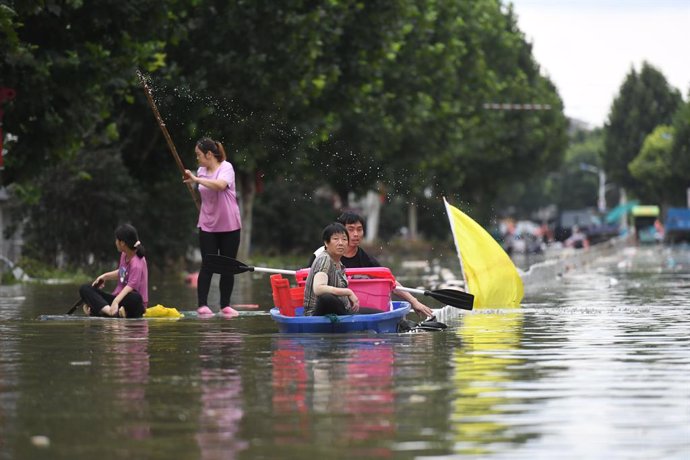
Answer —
596 365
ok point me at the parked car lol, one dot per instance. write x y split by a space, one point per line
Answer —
589 221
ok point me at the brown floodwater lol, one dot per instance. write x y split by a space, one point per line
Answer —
595 365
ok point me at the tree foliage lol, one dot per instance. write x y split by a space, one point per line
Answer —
652 168
342 95
72 64
69 63
662 167
484 152
568 186
645 101
70 209
680 156
291 216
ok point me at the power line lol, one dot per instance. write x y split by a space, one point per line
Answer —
508 106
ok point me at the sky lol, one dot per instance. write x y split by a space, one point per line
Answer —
588 47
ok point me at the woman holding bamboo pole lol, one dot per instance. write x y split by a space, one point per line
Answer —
219 219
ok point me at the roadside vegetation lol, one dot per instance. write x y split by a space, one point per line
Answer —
316 105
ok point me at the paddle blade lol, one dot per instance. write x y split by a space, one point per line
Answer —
452 297
224 265
81 301
74 307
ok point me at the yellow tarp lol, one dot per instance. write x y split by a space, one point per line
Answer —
490 274
159 311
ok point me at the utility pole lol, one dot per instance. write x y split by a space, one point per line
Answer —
601 196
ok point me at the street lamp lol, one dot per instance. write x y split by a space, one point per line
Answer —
601 202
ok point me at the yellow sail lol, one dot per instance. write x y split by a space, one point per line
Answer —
489 273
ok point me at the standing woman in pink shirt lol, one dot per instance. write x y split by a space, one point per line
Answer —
219 219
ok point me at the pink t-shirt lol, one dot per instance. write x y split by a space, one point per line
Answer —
219 209
134 274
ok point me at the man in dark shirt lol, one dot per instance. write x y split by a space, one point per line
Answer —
356 257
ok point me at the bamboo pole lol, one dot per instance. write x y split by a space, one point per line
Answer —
166 134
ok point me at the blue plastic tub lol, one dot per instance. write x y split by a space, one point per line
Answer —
377 322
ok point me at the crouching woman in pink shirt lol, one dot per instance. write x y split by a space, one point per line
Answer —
131 295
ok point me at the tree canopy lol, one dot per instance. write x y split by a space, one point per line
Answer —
645 100
340 95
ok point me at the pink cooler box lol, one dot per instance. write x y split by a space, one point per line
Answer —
372 293
371 285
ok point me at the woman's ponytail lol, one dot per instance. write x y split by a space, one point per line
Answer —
128 235
141 252
206 144
221 152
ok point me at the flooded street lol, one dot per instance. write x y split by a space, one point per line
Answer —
596 365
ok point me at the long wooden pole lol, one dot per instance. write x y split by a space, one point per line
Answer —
166 134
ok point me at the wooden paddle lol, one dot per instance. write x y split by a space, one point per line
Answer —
229 266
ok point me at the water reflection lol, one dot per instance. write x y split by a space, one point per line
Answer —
129 373
484 366
10 365
338 393
88 382
220 389
582 369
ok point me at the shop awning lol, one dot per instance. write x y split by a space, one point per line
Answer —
645 211
619 211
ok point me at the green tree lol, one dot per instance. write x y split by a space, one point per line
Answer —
291 218
72 64
567 187
361 103
680 157
255 73
489 150
652 168
663 165
424 125
576 187
344 94
70 210
645 101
